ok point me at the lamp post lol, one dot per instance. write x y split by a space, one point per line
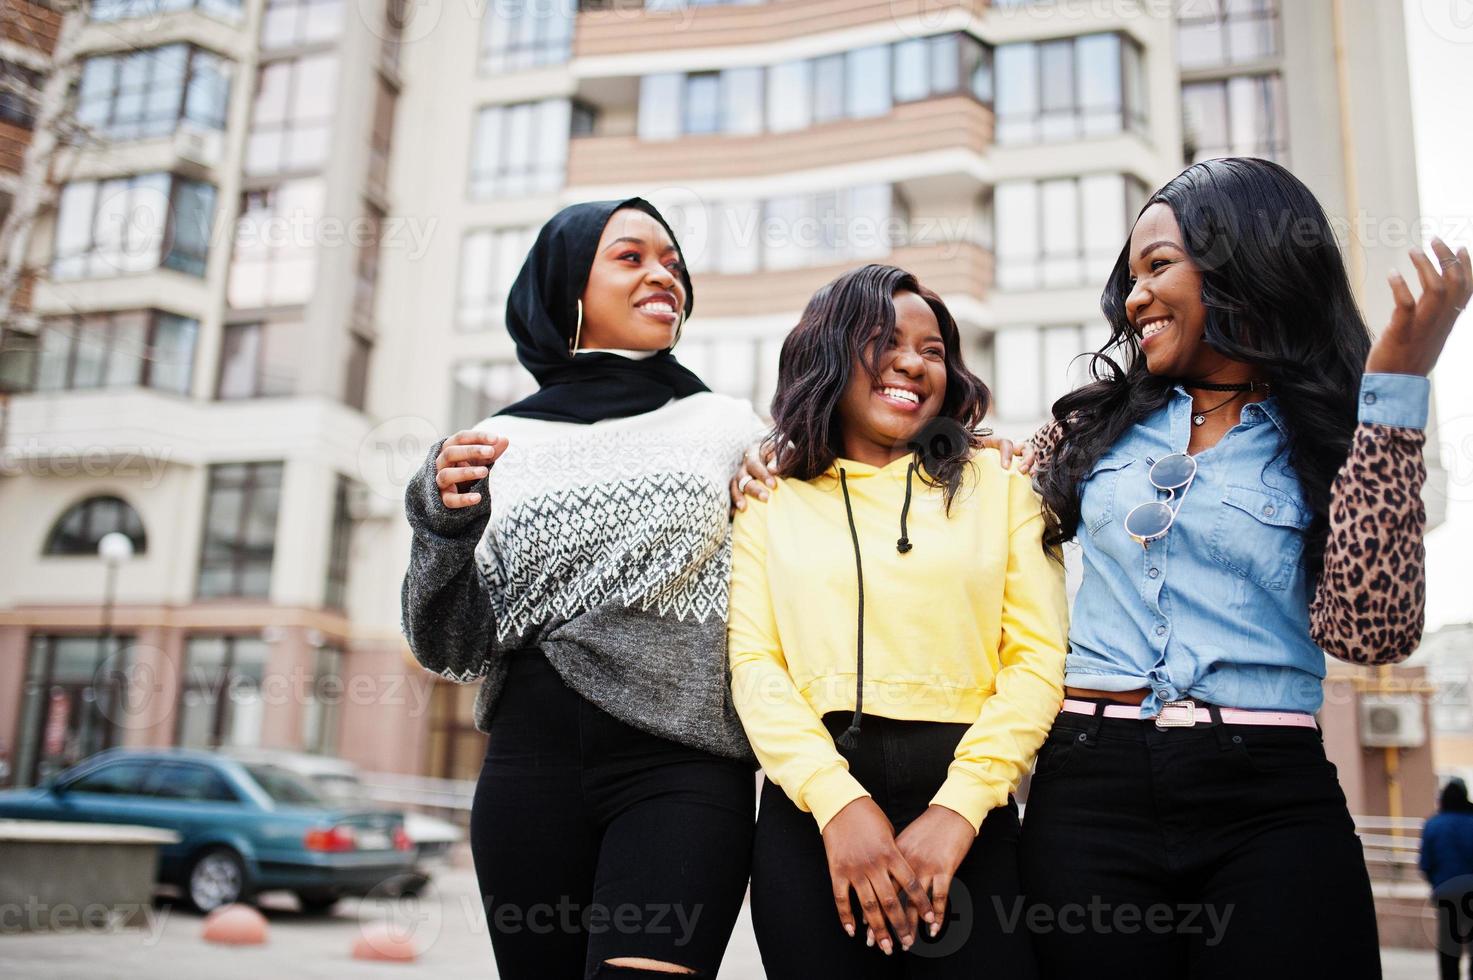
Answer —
114 548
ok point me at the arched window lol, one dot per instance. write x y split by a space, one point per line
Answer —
84 524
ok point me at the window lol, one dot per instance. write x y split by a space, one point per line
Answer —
1062 232
479 389
517 34
1034 367
220 701
258 360
83 525
114 779
240 529
794 95
489 262
742 367
197 784
1068 89
72 701
355 378
521 148
149 92
110 10
288 23
275 261
146 348
381 137
320 721
1242 116
291 120
1215 33
132 224
365 283
340 544
285 786
20 88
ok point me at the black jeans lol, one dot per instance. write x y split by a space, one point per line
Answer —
1211 851
1454 928
902 764
594 840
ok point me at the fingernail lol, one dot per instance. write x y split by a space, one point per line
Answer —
907 942
887 946
475 498
764 495
935 928
772 482
930 916
869 937
849 929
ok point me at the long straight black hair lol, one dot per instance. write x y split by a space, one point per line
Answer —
1277 297
854 312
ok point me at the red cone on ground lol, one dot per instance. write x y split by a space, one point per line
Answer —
381 941
236 924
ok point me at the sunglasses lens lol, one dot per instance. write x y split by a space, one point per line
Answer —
1148 520
1172 472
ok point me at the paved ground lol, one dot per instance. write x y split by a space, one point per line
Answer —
447 925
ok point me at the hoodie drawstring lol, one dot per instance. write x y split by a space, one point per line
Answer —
903 545
850 737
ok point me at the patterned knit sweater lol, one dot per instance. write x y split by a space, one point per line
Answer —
607 547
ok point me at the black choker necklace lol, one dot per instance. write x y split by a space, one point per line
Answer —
1214 386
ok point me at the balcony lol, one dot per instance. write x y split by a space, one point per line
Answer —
952 269
956 122
622 31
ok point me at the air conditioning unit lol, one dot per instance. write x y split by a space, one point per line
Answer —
199 147
1392 721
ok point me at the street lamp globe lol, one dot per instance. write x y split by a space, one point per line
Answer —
115 546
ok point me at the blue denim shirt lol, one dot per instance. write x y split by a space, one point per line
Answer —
1218 609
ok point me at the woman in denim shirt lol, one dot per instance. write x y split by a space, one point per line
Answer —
1245 487
1245 490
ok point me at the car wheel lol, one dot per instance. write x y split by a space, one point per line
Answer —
317 903
217 877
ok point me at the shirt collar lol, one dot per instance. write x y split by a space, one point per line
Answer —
1269 407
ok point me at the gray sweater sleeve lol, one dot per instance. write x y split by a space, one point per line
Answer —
445 606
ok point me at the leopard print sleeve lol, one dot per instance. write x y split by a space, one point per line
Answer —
1369 605
1045 441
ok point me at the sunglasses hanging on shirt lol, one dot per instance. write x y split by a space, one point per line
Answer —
1150 521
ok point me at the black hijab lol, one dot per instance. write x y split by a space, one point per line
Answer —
541 312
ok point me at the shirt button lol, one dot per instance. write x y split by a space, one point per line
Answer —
1268 510
1161 631
1370 398
1154 573
1163 694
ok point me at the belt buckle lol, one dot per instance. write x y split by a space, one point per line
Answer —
1190 720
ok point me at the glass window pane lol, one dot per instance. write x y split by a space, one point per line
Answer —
703 103
828 88
660 106
945 63
912 73
789 96
1016 102
1018 381
868 81
741 96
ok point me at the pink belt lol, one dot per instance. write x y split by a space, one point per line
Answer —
1185 714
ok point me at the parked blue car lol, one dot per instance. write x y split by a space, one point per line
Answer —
244 827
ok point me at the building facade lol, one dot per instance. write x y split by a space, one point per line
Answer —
342 193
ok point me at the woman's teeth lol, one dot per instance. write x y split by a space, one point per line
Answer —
657 307
1155 327
901 394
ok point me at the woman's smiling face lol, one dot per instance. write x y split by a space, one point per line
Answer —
1164 306
878 417
635 295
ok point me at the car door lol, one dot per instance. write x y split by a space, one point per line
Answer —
193 799
110 793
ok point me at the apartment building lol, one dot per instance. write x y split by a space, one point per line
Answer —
997 150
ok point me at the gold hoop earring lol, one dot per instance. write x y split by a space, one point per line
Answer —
679 326
577 331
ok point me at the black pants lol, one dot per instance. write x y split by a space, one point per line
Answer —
594 840
1211 851
902 764
1454 929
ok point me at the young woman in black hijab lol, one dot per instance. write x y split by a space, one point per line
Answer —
612 822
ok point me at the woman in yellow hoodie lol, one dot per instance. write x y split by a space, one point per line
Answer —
897 637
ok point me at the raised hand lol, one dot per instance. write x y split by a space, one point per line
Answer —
463 459
1419 327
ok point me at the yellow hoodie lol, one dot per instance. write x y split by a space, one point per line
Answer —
970 624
